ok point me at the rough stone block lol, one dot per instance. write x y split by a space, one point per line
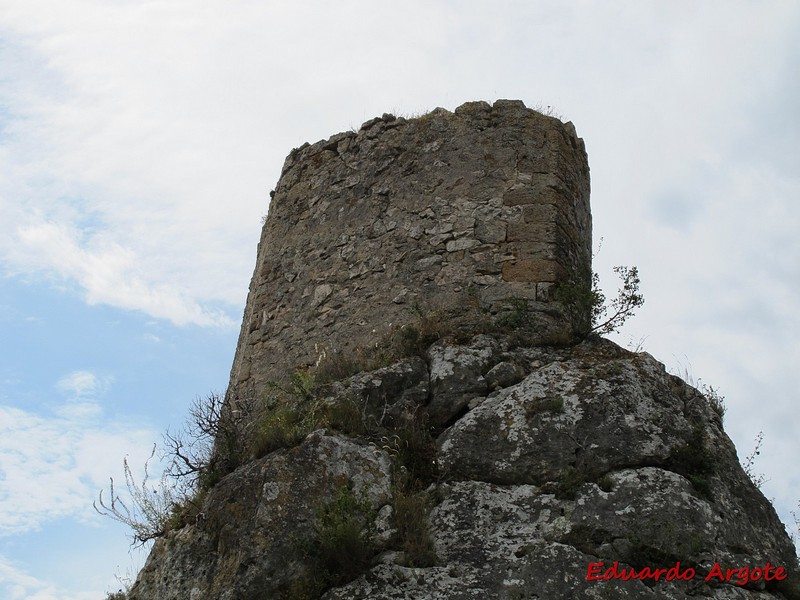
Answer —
541 231
532 271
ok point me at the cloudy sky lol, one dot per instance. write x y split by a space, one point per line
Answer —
139 141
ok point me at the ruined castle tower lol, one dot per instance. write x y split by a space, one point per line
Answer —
446 214
483 463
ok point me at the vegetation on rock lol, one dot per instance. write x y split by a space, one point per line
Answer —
586 306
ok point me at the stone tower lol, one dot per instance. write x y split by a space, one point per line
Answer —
448 214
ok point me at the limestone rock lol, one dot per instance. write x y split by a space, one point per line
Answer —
504 374
597 455
389 392
244 543
457 376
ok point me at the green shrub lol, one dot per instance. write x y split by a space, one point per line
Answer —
550 404
693 460
569 483
411 510
413 448
302 385
715 400
572 478
585 303
517 316
415 339
280 427
186 512
287 418
290 413
341 546
344 415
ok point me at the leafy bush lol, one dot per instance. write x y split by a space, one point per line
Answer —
345 416
280 427
623 306
516 317
572 478
294 411
586 305
549 404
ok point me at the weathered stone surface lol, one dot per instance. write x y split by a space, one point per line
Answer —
448 212
504 374
602 414
388 393
605 413
457 376
595 455
505 527
244 543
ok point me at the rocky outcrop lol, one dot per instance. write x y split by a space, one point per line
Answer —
597 455
448 436
574 457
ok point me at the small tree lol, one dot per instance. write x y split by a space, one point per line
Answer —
190 450
586 306
213 433
622 307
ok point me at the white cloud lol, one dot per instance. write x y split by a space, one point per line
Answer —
107 178
83 383
107 272
53 466
16 584
142 138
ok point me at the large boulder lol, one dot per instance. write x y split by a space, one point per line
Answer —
247 541
597 457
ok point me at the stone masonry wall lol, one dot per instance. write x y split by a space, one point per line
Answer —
438 214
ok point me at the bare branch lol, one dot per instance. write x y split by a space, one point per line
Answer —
152 506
